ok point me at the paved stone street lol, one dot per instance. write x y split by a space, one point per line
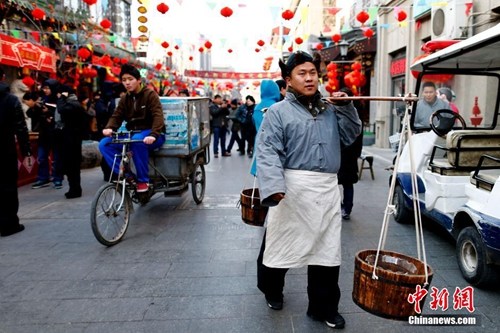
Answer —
188 268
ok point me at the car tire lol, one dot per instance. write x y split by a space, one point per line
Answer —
402 214
471 256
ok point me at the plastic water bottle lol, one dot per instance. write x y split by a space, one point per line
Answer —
123 127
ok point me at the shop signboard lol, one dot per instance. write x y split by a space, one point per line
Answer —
20 53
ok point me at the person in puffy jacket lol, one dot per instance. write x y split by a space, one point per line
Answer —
140 107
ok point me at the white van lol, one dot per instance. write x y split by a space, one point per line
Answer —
457 154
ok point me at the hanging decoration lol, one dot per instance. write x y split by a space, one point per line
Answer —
123 61
260 42
169 53
229 50
287 14
401 15
201 49
226 12
299 41
437 78
83 53
257 50
290 49
333 83
368 33
90 2
319 46
158 66
208 45
38 14
162 8
105 24
336 38
362 17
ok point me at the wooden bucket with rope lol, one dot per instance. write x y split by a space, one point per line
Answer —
252 213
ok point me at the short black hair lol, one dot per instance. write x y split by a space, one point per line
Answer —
30 96
250 97
281 83
429 84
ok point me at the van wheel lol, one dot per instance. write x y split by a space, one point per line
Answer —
402 214
471 256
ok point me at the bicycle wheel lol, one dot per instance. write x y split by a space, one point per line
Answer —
198 182
110 214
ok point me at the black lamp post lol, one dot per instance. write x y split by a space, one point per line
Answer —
343 46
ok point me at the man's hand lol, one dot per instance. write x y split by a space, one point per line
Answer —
107 132
149 140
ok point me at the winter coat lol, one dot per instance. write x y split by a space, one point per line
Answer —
141 111
348 172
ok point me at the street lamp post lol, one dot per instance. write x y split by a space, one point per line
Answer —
343 46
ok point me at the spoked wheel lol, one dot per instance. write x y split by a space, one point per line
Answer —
110 214
198 183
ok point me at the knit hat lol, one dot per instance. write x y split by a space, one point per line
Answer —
298 58
131 70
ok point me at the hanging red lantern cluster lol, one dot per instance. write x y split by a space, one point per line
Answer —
105 24
90 2
162 8
226 12
260 42
89 73
299 41
355 79
287 14
83 53
362 17
38 14
333 83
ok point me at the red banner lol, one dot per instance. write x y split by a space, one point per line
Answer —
231 75
20 53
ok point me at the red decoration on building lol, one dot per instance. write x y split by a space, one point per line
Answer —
257 50
201 49
105 24
368 33
190 58
162 8
83 53
299 40
123 61
438 78
336 38
260 42
165 45
169 53
401 16
208 44
230 50
362 17
158 66
90 2
290 49
226 12
176 47
287 14
38 14
319 47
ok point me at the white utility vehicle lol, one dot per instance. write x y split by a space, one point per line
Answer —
456 157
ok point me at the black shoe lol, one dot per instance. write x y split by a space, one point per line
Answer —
72 195
242 152
12 231
275 305
345 216
336 321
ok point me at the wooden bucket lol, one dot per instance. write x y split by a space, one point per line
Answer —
252 212
398 276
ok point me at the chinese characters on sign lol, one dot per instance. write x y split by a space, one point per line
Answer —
462 298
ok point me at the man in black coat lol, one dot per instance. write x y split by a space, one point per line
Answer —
12 125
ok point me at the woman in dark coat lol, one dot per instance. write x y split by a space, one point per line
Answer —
348 174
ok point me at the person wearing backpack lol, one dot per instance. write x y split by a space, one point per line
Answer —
244 116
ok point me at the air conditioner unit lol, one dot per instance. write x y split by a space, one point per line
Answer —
450 21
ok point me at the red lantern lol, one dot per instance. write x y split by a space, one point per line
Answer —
158 66
123 61
257 50
176 47
83 53
190 58
90 2
105 24
256 83
290 49
226 12
169 53
362 17
92 73
401 16
299 40
162 8
336 38
368 33
165 45
230 50
261 43
116 60
287 14
38 14
331 67
356 66
319 47
106 60
201 49
208 45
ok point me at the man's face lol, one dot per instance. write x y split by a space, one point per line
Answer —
218 101
29 102
304 79
249 102
131 83
46 90
429 94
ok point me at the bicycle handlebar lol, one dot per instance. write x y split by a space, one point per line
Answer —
124 137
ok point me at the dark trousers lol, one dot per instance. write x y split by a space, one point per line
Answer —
9 200
219 135
72 158
347 200
322 285
248 134
235 137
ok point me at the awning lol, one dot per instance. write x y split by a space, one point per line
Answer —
21 53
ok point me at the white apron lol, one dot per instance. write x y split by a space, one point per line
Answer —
304 229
